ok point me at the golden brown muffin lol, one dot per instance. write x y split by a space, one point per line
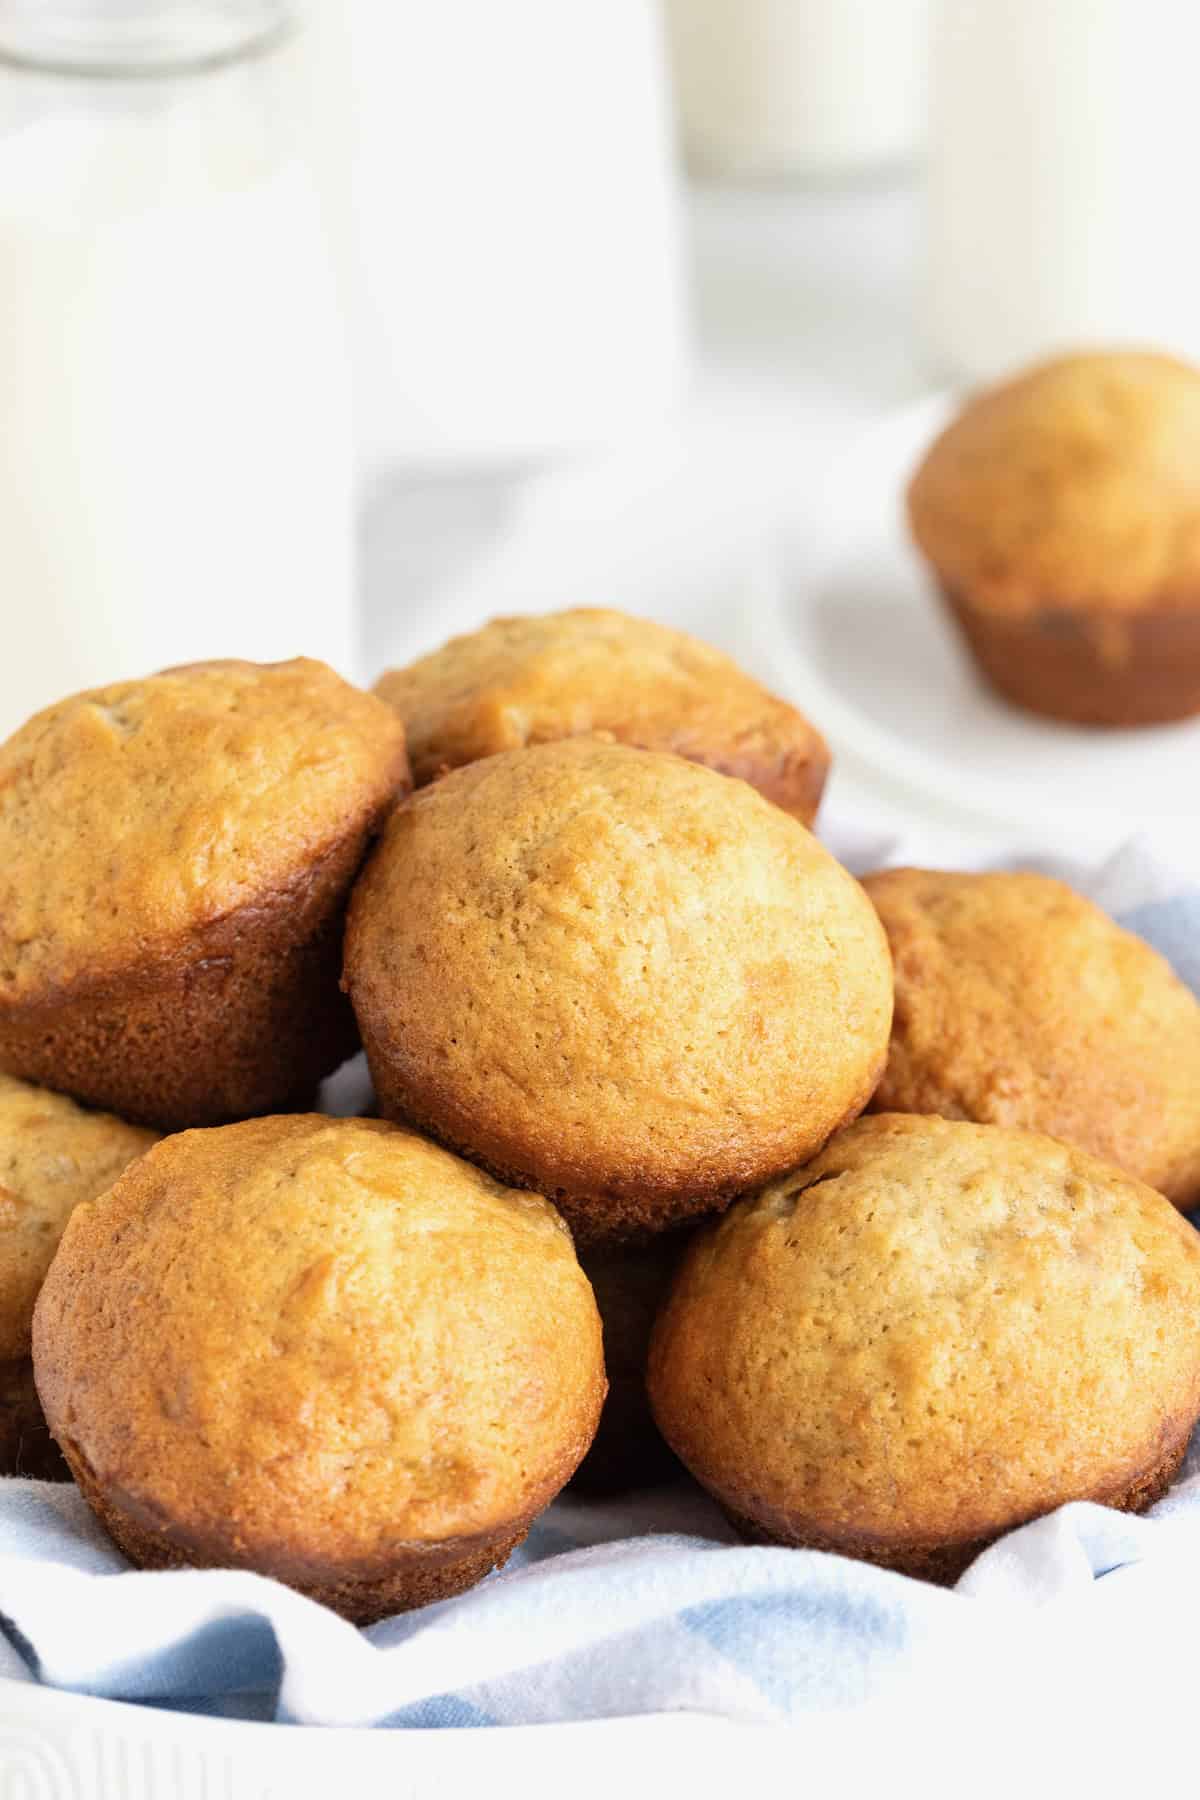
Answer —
533 680
175 856
322 1349
1020 1003
629 1282
1060 512
933 1333
617 978
53 1155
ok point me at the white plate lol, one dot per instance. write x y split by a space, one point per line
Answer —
859 639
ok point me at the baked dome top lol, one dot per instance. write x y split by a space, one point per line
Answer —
536 678
933 1331
132 814
318 1339
1077 484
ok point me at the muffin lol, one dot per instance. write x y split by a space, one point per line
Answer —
1060 513
617 978
175 855
52 1156
629 1283
1020 1003
934 1332
533 680
322 1349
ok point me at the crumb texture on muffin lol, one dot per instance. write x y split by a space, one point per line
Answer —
932 1333
1074 487
537 678
616 977
1020 1003
321 1348
53 1155
135 814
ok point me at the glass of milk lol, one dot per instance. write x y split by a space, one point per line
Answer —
175 463
1062 180
810 89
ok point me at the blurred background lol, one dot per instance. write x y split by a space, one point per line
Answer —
336 327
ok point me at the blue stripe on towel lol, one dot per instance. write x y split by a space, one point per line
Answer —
1172 926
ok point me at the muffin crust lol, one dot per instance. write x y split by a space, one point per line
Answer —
1060 513
323 1349
617 978
836 1358
1020 1003
1077 484
535 679
174 859
53 1155
1089 668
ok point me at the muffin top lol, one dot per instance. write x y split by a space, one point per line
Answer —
933 1331
53 1155
614 974
533 680
1020 1003
318 1339
135 813
1076 485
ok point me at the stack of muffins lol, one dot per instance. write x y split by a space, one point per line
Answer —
624 1017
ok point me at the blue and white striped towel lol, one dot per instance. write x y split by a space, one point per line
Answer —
647 1604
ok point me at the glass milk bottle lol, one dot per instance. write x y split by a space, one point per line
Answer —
175 466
